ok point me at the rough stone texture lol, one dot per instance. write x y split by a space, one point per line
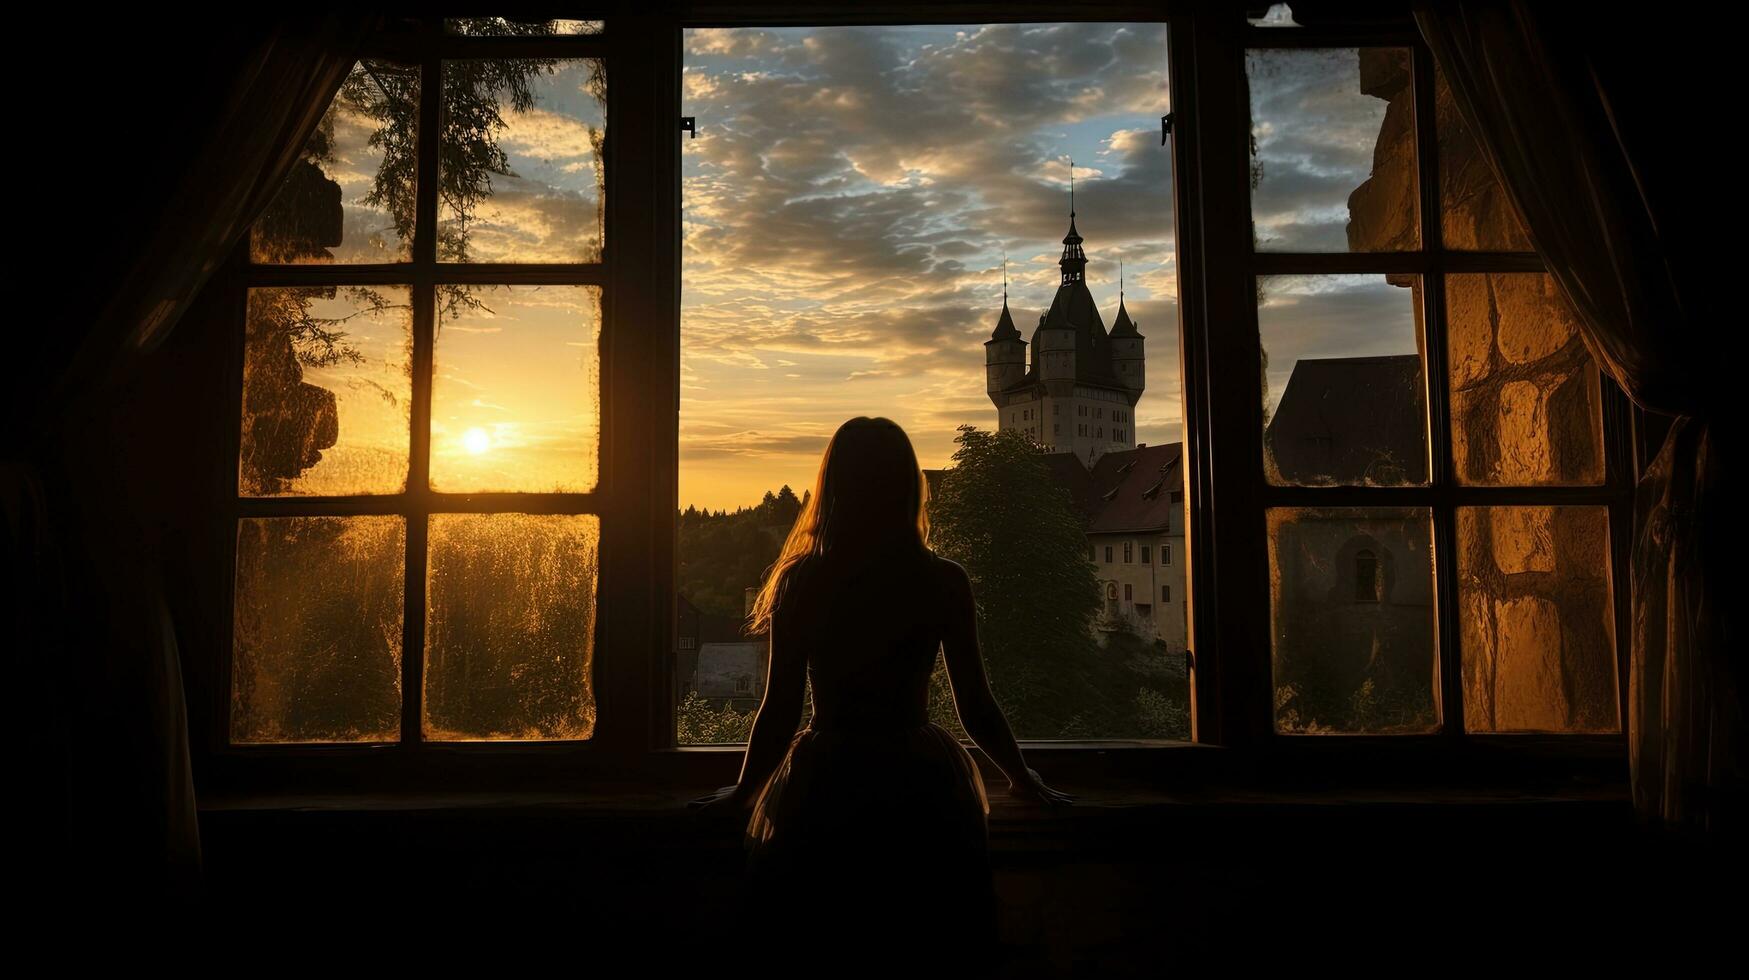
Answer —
1537 634
1537 630
1383 215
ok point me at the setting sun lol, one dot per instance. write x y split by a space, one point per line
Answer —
476 440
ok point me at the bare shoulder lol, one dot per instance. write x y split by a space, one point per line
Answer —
951 576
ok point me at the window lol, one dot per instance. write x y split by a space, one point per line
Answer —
1474 481
1477 559
1367 584
421 497
1128 554
1126 592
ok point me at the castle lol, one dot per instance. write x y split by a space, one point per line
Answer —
1077 399
1080 394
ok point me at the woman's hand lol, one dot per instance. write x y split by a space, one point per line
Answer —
1032 789
725 801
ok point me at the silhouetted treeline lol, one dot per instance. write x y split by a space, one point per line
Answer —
724 553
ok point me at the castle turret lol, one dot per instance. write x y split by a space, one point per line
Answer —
1127 360
1004 353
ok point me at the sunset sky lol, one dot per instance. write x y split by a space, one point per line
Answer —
848 204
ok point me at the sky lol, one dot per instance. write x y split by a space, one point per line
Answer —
849 204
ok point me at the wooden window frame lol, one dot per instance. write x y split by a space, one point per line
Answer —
639 273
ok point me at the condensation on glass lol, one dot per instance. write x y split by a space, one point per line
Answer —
326 385
510 610
1475 213
1344 390
1526 397
350 197
513 27
1352 620
1333 150
316 633
1537 621
522 175
516 397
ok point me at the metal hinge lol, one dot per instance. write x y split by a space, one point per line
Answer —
689 124
1165 127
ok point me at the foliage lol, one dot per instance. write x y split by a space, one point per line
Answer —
723 554
1001 515
387 95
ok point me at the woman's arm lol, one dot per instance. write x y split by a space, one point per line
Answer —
779 712
979 713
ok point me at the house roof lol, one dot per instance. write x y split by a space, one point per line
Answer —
1351 421
1126 490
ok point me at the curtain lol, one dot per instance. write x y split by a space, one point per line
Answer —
1599 142
181 132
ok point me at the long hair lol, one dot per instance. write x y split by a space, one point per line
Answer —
870 493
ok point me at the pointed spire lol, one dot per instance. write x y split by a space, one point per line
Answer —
1005 329
1123 326
1074 260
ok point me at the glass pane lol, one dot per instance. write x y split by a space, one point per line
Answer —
1475 213
1538 625
1333 150
1351 609
327 378
516 399
849 202
522 176
350 198
510 626
1526 397
513 27
316 634
1344 398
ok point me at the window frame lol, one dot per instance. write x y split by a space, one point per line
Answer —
1232 686
639 272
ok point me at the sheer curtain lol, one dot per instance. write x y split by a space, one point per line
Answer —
1603 153
174 134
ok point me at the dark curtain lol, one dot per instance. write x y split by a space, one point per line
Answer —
1603 130
168 137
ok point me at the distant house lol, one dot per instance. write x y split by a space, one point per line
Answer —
1352 589
1132 501
716 661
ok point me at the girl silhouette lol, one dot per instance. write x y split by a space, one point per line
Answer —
867 834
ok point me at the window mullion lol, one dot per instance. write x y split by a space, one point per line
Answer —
1433 329
419 414
1223 414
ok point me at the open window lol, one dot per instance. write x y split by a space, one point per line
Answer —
538 348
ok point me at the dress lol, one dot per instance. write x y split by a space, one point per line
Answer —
870 840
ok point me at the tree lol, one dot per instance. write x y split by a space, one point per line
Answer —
1022 542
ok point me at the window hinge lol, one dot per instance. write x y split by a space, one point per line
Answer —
689 124
1165 127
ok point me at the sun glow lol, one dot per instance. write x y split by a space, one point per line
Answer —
476 440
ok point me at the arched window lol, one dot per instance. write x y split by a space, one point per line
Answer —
1366 577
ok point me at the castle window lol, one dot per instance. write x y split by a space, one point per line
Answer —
1108 554
1128 554
1367 585
1165 554
1165 593
1145 555
1127 595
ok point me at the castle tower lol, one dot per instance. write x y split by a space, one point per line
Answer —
1081 388
1004 352
1126 349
